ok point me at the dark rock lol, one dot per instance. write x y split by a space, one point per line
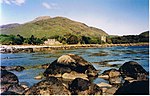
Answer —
134 88
9 93
50 86
111 73
45 66
12 68
83 87
8 78
134 70
113 76
110 91
68 63
115 80
9 83
14 88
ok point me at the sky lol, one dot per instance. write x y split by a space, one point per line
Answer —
116 17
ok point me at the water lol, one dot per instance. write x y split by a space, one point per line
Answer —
111 55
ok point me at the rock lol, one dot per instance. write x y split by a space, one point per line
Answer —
113 76
16 88
45 66
81 86
9 83
115 80
74 75
38 77
106 85
25 85
134 88
103 76
9 93
111 73
110 91
8 78
129 79
12 68
68 63
134 70
104 90
50 86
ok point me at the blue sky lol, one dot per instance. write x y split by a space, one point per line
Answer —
116 17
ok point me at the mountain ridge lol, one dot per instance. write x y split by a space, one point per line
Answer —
46 26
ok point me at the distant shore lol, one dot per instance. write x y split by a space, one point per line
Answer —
37 48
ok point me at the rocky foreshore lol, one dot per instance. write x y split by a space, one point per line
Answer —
70 74
36 48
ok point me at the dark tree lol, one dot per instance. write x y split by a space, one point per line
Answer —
72 39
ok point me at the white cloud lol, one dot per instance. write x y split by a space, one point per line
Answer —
50 5
16 2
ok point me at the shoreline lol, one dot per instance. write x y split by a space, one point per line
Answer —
37 48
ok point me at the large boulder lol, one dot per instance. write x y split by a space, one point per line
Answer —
8 78
9 84
134 88
134 70
69 63
50 86
84 87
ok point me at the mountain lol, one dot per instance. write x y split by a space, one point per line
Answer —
9 26
47 26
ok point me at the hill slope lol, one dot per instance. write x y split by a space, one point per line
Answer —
53 26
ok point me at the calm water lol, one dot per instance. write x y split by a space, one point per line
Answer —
113 55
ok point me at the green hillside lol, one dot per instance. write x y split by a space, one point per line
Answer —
145 34
53 26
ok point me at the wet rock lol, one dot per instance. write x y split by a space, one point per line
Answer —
110 91
12 68
74 75
106 85
16 88
83 87
50 86
115 80
45 66
9 93
134 70
129 79
68 63
103 76
25 85
38 77
134 88
8 78
99 54
9 83
111 73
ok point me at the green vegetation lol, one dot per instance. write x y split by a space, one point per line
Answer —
63 30
59 26
19 40
143 37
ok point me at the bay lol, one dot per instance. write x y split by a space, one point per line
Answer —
97 56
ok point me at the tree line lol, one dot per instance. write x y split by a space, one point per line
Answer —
19 40
130 39
73 39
